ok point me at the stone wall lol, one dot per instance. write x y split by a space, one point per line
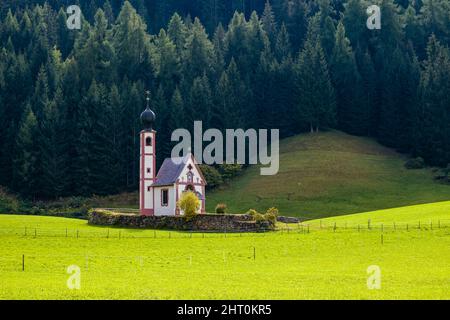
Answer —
201 222
288 219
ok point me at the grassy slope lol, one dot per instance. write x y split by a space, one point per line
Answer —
295 265
331 173
413 215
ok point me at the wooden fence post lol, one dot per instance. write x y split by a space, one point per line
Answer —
23 262
254 253
368 224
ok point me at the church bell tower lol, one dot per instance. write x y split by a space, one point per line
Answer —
147 166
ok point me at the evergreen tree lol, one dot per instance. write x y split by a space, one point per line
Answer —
97 55
166 62
435 17
41 94
269 23
51 159
162 109
283 44
200 101
109 14
26 155
354 20
316 106
346 82
177 32
199 55
131 43
435 90
177 114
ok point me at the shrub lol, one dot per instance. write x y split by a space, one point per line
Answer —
229 171
8 203
416 163
221 208
190 204
258 217
212 176
252 212
271 215
443 175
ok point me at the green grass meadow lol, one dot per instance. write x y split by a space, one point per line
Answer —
331 173
314 260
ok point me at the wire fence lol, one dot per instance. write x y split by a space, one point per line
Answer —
95 263
57 264
393 226
299 228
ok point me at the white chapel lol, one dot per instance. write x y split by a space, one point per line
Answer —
159 193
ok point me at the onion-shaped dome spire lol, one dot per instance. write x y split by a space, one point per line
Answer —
148 116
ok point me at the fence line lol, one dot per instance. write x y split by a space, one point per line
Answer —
300 228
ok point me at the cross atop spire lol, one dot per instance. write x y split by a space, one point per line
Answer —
147 93
148 116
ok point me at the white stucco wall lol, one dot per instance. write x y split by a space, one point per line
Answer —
148 155
197 180
183 175
168 210
147 162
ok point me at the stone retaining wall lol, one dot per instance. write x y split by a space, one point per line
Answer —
288 219
201 222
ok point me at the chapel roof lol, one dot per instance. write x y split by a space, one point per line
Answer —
170 171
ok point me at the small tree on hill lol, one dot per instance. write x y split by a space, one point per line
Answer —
190 204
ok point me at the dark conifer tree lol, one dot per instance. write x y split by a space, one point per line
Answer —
346 80
435 90
316 106
26 155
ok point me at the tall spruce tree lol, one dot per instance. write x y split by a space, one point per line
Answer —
316 106
435 89
346 80
26 155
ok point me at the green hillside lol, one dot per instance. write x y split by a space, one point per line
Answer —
321 263
423 214
331 173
